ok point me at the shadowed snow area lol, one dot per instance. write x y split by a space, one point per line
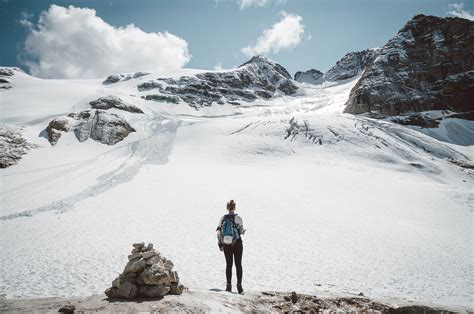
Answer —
331 201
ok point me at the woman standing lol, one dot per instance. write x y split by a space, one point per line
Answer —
229 239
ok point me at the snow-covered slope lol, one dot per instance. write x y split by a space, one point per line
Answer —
331 201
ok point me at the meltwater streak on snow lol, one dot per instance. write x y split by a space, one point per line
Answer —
347 203
154 149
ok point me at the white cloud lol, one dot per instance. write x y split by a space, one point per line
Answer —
458 10
218 67
245 4
26 20
75 43
285 34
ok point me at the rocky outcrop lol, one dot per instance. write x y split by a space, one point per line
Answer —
147 274
311 76
428 65
115 78
351 65
99 125
109 102
257 78
12 146
6 76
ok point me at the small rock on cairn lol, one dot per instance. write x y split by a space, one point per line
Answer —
147 274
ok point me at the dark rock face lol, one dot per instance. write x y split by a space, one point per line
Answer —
101 126
428 65
351 65
12 146
108 102
257 78
311 76
115 78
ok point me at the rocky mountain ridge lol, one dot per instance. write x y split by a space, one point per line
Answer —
258 78
349 66
311 76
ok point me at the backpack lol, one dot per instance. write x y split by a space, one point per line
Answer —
229 231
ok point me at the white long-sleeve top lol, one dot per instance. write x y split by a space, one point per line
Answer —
238 222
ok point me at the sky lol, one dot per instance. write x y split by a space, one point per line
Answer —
91 39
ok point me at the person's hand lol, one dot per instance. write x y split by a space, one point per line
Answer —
221 248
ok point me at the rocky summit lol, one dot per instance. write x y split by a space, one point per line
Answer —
147 274
428 65
351 65
311 76
257 78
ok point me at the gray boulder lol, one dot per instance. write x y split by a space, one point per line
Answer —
148 254
168 265
112 292
127 290
101 126
135 266
176 288
156 275
428 65
109 102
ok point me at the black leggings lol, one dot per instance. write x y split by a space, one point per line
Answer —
233 252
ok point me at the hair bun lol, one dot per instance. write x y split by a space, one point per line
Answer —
231 205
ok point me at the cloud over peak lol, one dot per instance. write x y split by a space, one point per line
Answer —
284 34
459 11
75 43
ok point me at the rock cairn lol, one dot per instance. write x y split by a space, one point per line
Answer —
147 274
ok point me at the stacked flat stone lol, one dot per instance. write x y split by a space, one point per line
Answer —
147 274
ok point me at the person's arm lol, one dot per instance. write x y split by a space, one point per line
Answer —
240 225
219 238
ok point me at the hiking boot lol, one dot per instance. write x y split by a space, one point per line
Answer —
239 289
228 288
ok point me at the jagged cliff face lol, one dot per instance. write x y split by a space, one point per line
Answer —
311 76
351 65
428 65
257 78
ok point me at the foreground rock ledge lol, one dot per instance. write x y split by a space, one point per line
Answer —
215 300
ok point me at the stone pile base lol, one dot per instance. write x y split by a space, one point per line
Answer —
147 274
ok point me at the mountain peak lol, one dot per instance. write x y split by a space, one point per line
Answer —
263 62
259 59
